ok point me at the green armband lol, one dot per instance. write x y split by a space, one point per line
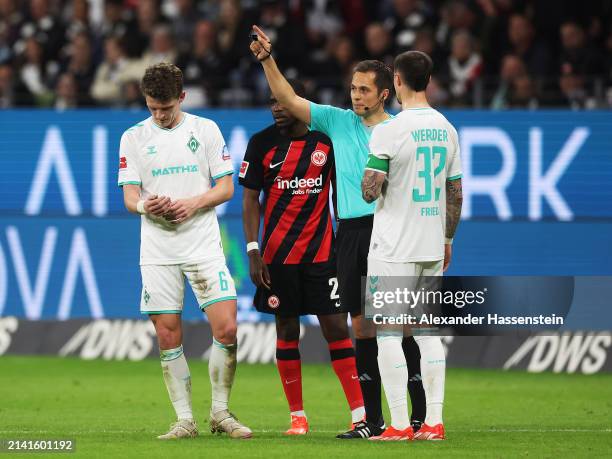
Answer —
378 164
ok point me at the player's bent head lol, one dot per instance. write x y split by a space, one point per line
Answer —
162 82
414 69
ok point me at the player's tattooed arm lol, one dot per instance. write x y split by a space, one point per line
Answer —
454 199
372 185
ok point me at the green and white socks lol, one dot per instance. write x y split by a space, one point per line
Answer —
221 369
178 381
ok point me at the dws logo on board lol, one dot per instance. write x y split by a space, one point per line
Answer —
112 340
579 352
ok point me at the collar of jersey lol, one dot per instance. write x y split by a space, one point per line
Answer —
169 130
391 116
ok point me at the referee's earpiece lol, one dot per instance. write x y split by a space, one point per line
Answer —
380 101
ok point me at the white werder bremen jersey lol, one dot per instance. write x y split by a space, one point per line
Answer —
178 163
422 150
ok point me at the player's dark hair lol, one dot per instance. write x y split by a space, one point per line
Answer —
414 68
383 78
298 86
163 82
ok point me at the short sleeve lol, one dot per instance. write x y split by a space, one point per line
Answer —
217 154
251 173
128 166
381 142
322 118
453 171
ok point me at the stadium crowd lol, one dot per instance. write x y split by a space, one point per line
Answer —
487 53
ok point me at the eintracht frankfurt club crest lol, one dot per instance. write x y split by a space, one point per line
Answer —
273 302
318 158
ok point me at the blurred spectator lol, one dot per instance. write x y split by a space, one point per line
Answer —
131 96
115 70
406 19
161 49
323 21
494 32
288 36
117 22
202 67
455 15
512 68
183 24
148 16
464 67
76 18
521 35
583 59
35 74
378 43
561 50
67 94
44 27
11 19
334 74
233 40
523 93
80 63
574 91
12 94
436 94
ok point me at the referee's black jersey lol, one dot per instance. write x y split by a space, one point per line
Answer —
295 175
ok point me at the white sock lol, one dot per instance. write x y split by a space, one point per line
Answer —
358 414
300 413
178 381
433 368
221 369
394 376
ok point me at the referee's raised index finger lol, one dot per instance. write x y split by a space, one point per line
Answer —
260 32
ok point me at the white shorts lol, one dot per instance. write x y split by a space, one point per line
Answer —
412 269
163 286
385 278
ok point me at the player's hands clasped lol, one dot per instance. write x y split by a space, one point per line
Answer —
157 205
259 270
262 48
182 209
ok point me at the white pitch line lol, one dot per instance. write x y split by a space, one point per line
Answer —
155 432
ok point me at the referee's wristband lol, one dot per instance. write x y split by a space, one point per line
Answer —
140 207
448 240
252 246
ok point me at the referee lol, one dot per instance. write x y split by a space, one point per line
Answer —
350 132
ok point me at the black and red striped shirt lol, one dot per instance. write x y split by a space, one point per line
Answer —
295 176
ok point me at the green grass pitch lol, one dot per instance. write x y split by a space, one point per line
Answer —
115 409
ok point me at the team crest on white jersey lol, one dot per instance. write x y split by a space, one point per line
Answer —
318 158
193 144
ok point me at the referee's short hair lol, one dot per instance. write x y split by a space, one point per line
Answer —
383 78
414 68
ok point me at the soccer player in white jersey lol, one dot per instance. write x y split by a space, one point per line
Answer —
168 164
414 170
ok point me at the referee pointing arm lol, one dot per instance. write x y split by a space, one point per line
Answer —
350 132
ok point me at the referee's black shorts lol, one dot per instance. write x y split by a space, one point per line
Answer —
352 247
